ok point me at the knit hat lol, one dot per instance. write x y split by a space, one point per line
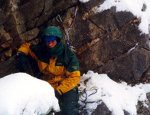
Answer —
49 38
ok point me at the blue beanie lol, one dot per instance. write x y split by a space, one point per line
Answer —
49 38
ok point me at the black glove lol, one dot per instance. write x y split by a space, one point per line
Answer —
23 63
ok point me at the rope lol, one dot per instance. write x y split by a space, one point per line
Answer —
93 88
67 38
83 95
60 21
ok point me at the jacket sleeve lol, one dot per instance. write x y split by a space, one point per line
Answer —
72 76
22 61
24 48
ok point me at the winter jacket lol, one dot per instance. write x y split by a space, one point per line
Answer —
62 71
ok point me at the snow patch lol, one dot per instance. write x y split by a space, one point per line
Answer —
22 94
84 1
139 8
117 96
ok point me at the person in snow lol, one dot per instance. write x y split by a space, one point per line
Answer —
58 65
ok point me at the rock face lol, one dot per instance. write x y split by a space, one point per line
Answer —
107 42
111 39
20 21
120 51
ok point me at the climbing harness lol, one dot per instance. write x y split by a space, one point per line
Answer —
60 21
83 94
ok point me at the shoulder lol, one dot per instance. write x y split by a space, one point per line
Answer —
70 56
37 48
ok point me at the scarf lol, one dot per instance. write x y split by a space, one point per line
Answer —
55 51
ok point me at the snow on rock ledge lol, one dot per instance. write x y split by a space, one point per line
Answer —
22 94
118 97
139 8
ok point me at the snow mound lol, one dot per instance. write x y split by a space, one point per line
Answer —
117 96
22 94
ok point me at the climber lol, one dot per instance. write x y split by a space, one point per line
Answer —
58 65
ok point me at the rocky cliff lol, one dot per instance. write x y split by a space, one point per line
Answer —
111 39
106 42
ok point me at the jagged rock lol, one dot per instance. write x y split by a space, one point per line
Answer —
116 38
2 17
129 66
6 44
8 53
123 18
8 67
29 35
101 110
126 113
90 4
11 26
142 110
105 21
37 12
4 36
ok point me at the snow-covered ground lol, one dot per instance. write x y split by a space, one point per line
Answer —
22 94
97 88
139 8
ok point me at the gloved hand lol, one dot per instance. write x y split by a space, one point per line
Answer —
22 62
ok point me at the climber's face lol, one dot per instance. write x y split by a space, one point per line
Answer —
51 44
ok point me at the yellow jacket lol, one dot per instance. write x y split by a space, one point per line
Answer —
62 72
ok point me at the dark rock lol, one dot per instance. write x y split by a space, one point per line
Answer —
105 21
8 53
6 44
32 9
139 67
8 67
22 2
119 68
144 7
123 18
126 113
82 28
142 110
4 36
117 37
111 49
29 35
10 26
101 110
3 3
90 4
2 17
38 12
129 67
